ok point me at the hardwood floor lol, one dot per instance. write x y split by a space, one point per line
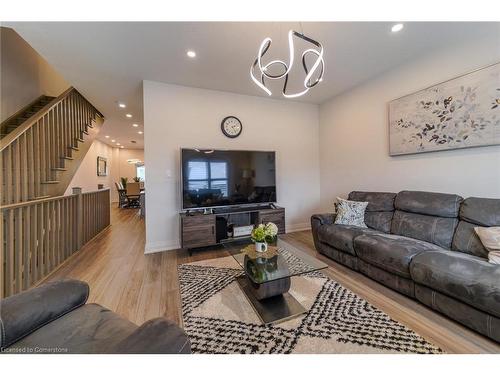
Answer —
140 287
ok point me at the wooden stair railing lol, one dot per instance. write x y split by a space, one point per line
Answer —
37 236
38 157
24 114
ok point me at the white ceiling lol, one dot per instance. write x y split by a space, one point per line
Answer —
108 61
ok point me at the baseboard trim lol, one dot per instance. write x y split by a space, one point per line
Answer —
298 227
158 247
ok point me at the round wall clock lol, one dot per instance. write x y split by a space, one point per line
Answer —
231 126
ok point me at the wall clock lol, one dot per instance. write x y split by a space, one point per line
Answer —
231 126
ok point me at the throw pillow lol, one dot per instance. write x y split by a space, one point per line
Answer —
490 238
351 213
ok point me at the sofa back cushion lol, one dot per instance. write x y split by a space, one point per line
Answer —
475 212
427 203
378 213
426 216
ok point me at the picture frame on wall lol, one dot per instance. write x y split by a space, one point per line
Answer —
458 113
102 166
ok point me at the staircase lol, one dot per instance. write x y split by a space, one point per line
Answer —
24 114
42 146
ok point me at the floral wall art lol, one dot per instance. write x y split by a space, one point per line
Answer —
459 113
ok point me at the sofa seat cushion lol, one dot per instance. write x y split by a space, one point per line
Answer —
341 236
390 252
467 278
88 329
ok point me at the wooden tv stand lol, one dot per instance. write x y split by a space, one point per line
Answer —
201 230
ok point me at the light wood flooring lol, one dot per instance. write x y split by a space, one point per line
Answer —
140 287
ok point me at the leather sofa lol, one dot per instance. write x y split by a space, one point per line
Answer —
54 318
423 245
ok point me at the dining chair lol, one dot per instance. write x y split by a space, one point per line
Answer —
122 197
133 192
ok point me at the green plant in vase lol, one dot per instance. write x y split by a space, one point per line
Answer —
124 181
264 234
136 179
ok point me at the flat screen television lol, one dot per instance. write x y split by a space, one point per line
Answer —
219 178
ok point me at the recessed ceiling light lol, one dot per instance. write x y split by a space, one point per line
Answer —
118 144
139 132
397 27
113 141
135 125
191 54
121 105
128 115
121 147
106 136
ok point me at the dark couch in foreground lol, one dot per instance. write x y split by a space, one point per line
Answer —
54 318
423 245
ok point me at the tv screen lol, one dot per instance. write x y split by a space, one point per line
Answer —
215 178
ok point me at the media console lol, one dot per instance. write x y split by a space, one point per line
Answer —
200 229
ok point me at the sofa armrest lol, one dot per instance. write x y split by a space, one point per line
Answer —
24 313
317 221
156 336
323 219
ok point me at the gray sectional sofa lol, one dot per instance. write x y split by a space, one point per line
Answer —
423 245
55 318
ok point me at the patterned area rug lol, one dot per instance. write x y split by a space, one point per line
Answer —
219 319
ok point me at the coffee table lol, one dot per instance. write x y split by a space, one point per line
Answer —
268 275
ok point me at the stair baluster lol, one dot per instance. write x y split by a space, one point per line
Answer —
38 147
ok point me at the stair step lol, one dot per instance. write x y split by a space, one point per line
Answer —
28 113
66 157
85 132
50 182
73 148
80 140
59 169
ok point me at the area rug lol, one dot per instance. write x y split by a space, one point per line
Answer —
219 319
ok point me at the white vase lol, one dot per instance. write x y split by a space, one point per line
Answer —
260 247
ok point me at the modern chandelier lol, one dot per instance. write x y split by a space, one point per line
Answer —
263 70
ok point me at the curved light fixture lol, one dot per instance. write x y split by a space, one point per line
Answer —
319 63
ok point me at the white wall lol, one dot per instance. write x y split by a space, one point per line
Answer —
86 176
176 116
25 75
126 169
354 139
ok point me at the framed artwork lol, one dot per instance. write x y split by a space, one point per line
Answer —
459 113
102 166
